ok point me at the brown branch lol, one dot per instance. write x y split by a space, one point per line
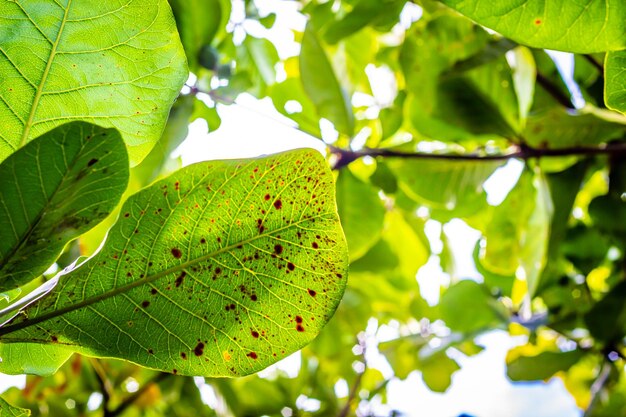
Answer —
346 156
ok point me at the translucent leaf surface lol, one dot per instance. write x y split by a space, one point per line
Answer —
321 84
69 60
582 27
7 410
541 366
361 211
54 189
615 86
219 270
33 359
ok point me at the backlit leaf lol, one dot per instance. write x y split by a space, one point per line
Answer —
33 359
218 270
54 189
59 64
541 366
582 27
615 86
7 410
321 84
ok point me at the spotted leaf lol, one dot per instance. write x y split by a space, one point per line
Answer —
219 270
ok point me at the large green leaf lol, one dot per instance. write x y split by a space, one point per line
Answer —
361 211
219 270
116 63
321 84
54 189
615 85
199 21
556 128
517 234
444 185
467 307
582 27
7 410
34 359
541 366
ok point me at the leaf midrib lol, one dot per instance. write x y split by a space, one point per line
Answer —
149 278
44 78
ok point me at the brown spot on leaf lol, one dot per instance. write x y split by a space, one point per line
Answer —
291 266
278 204
315 245
278 249
180 278
300 328
252 355
267 197
150 351
54 339
176 253
253 297
199 349
537 22
91 162
145 304
298 319
203 241
255 334
312 293
183 355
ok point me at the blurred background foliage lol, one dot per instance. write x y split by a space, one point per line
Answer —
420 108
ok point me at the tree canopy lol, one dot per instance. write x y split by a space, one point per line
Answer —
123 275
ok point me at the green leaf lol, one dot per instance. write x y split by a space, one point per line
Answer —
607 319
221 269
520 240
361 212
7 410
291 91
615 85
592 26
198 22
53 190
444 185
364 13
542 366
33 359
117 64
467 307
263 54
556 128
209 114
321 84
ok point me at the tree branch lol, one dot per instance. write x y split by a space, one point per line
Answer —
346 156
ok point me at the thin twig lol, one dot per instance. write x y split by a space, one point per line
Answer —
346 156
105 385
354 391
130 400
597 387
554 91
595 63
